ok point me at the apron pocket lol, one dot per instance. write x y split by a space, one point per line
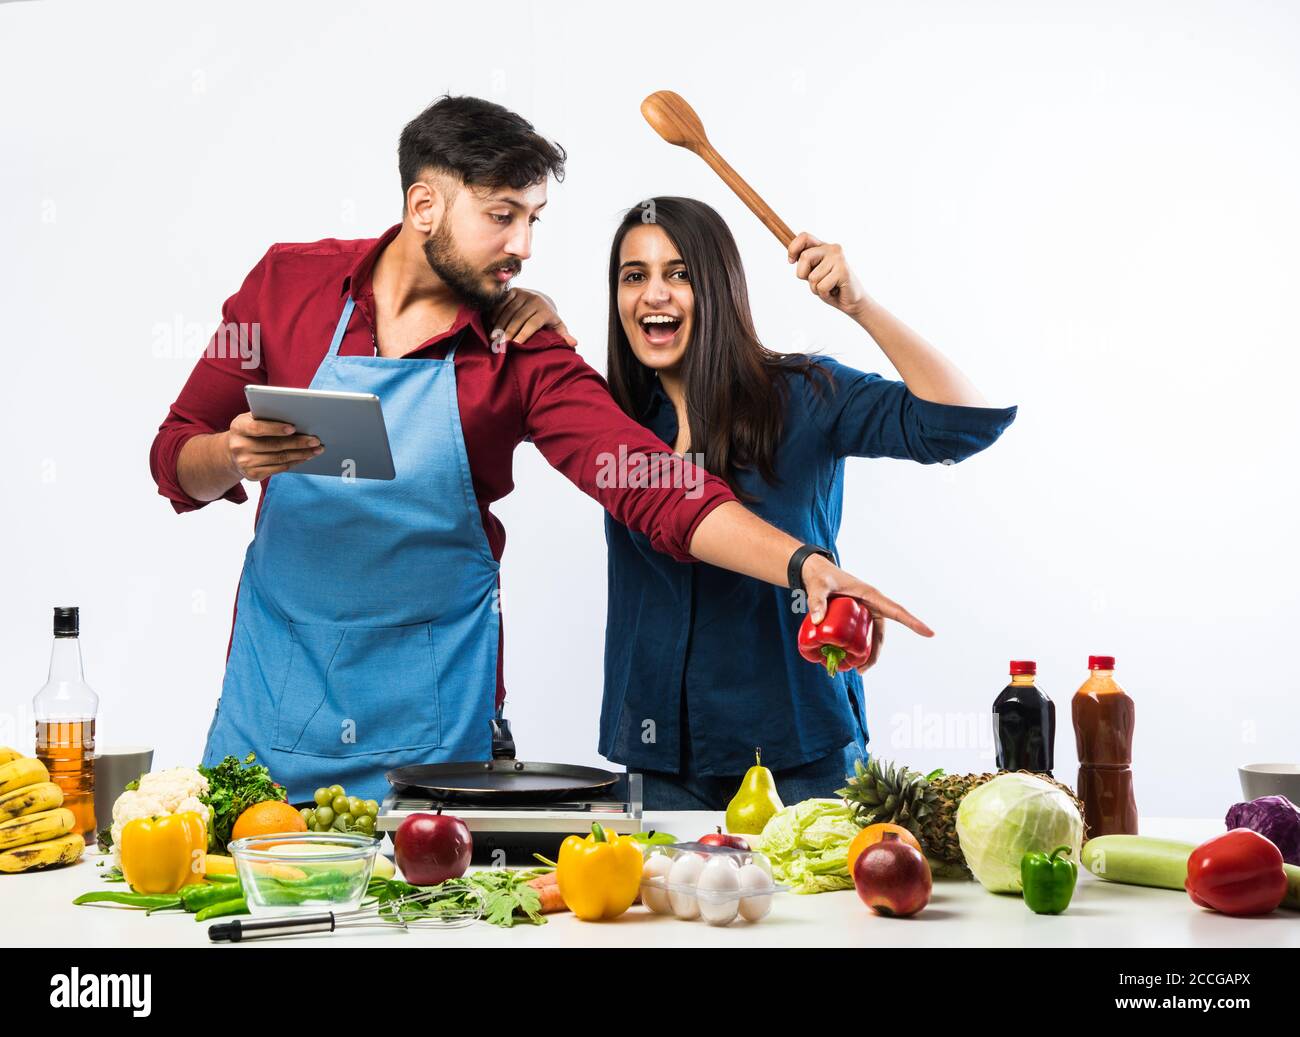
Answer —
357 691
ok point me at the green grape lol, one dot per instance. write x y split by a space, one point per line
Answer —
366 824
324 817
356 806
336 790
323 797
372 808
340 804
308 815
342 822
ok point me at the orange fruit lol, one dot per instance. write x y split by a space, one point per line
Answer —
873 834
268 818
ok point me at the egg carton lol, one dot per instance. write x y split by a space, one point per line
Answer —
702 881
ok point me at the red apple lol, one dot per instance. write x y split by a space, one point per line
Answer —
432 848
721 838
892 877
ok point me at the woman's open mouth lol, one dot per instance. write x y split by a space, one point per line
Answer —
659 329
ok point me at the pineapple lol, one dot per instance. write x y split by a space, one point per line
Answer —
882 792
924 804
940 836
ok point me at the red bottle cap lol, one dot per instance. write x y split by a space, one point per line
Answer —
1101 662
1021 667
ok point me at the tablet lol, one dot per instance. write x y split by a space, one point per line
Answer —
350 426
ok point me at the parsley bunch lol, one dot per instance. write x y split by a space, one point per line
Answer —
233 787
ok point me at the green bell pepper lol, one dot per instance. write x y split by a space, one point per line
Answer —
1048 880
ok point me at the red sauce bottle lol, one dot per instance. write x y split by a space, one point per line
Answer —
1103 729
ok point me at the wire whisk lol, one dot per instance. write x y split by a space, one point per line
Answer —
417 910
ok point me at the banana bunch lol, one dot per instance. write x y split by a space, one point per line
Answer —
36 830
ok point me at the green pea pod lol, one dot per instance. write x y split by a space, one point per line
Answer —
143 901
238 906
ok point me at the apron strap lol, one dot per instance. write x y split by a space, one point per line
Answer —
342 326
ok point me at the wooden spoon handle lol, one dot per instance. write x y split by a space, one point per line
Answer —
750 197
746 194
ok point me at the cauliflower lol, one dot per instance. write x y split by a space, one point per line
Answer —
171 791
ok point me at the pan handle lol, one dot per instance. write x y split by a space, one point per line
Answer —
503 742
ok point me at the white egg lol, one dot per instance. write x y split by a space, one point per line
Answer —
719 889
654 878
685 873
756 890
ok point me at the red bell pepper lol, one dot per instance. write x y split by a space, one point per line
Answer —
1237 873
842 640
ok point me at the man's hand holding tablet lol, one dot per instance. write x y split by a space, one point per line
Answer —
259 449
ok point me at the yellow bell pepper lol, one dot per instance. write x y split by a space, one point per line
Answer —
599 876
162 854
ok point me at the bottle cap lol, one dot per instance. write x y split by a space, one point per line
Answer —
1021 667
1101 662
67 620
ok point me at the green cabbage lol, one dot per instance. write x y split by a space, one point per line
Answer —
808 845
1014 814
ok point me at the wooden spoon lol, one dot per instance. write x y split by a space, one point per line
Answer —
676 122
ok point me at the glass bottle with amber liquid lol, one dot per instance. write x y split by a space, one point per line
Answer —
65 723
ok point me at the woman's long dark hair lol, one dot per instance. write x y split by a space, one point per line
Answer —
735 386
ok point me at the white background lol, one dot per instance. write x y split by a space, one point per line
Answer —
1092 210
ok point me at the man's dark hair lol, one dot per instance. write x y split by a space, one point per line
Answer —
479 142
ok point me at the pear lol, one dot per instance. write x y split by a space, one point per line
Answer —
756 801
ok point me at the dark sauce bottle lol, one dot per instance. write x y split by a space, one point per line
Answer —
1024 723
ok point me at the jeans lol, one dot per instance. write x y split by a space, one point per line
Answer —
666 792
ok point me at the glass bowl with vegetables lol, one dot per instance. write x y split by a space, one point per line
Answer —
304 872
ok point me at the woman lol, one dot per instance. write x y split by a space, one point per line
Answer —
701 665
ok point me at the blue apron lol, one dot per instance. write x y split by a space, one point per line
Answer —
366 630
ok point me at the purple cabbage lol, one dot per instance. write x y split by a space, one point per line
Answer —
1276 818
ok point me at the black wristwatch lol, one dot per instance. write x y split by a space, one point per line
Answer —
794 571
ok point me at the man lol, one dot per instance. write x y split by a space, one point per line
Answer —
366 634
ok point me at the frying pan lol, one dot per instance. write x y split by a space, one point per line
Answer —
501 780
676 122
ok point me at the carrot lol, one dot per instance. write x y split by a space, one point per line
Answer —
548 889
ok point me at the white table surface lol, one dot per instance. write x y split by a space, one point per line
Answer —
37 911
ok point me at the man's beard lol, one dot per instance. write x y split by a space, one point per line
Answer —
447 262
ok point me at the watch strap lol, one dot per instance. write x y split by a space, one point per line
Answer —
794 571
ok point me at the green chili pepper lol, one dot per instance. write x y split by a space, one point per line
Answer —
297 893
330 877
196 897
1048 880
238 906
222 878
146 901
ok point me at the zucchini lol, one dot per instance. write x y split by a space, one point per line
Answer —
1139 860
